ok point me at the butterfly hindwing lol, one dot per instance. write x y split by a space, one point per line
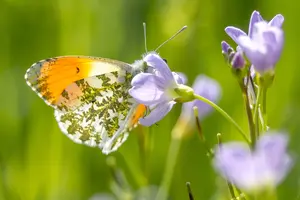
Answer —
104 116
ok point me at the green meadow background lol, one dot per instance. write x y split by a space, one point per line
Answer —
38 162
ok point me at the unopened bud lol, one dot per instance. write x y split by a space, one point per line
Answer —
185 93
238 61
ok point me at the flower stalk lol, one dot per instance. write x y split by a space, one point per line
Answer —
225 115
251 124
189 189
209 152
264 109
170 165
229 185
256 111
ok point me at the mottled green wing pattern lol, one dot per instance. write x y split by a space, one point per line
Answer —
105 110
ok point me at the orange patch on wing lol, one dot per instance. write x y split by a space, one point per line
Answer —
56 74
139 112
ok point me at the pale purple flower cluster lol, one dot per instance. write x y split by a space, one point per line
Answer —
263 44
258 169
267 164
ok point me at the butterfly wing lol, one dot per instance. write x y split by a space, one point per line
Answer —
53 77
90 97
106 114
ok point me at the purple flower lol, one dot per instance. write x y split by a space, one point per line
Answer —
264 167
155 89
234 32
264 42
264 48
206 87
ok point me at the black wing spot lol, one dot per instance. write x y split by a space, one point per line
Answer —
77 70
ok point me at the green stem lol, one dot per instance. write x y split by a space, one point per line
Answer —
241 194
264 101
169 169
256 113
144 152
188 185
264 109
225 115
209 152
257 102
249 111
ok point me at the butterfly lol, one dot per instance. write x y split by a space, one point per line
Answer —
90 97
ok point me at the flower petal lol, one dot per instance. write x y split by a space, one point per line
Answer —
264 48
147 89
155 61
225 47
271 151
256 53
234 162
255 17
238 60
258 170
234 32
146 78
179 77
158 113
277 21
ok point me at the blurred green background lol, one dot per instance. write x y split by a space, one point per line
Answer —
38 162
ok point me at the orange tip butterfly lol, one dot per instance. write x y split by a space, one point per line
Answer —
90 96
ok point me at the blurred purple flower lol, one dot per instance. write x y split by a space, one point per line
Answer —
264 42
156 89
264 167
206 87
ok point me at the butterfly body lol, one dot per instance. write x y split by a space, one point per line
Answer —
90 97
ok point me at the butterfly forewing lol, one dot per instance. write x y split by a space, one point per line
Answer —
90 97
50 77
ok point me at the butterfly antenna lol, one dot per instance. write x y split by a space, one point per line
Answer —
177 33
145 37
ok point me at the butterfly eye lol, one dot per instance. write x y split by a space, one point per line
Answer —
165 60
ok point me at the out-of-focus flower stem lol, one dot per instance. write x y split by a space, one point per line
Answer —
123 188
225 115
188 185
201 135
170 163
229 185
241 194
144 150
